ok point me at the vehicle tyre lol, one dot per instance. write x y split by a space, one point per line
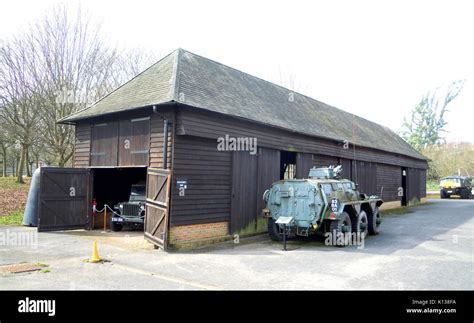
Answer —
360 224
442 194
465 193
338 228
374 221
116 227
273 230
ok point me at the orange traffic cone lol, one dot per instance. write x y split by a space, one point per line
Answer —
95 254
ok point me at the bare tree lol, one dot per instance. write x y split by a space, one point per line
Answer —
60 65
18 114
5 144
74 68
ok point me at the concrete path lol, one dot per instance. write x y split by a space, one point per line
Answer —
432 247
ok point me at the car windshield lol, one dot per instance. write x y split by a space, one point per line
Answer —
137 193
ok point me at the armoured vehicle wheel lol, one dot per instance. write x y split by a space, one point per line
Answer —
116 227
273 230
360 224
338 228
374 221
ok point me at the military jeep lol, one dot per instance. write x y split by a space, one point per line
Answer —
323 203
455 185
132 212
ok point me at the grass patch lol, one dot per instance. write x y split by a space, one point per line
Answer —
14 218
397 211
9 183
403 210
44 271
432 186
39 264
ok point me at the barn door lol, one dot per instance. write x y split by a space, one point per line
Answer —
63 198
157 206
304 162
134 144
244 190
104 144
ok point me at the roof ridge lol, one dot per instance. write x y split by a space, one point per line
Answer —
311 100
281 86
176 74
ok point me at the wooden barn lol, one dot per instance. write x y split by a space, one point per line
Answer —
164 126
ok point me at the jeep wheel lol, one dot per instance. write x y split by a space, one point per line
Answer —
465 193
273 230
374 221
116 227
360 224
339 229
443 195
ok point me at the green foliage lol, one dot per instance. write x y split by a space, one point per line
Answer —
427 121
432 185
449 159
14 218
8 183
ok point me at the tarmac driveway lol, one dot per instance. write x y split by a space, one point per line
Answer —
431 247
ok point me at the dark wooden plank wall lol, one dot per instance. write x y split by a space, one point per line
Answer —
304 162
413 184
365 174
208 174
104 144
244 190
422 183
135 133
157 138
207 125
346 168
82 146
268 172
324 161
145 130
390 177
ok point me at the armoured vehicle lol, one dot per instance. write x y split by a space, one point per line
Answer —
132 212
322 203
455 185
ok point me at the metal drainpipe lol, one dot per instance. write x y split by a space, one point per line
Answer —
165 144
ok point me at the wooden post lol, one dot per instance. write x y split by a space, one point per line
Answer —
105 218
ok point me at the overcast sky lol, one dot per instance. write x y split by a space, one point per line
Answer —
372 58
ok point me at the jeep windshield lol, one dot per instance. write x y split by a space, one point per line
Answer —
137 193
450 182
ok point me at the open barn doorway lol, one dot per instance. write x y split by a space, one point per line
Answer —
404 187
123 191
287 164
